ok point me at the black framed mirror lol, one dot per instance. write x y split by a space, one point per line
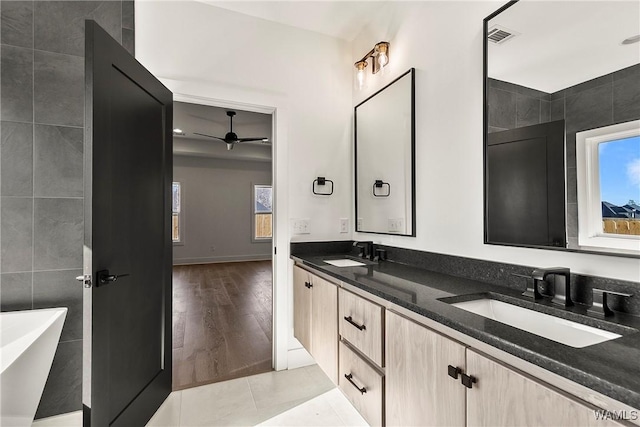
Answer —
561 98
385 159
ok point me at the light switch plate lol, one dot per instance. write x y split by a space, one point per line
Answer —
301 226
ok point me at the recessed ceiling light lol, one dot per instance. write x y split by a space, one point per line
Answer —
632 39
178 131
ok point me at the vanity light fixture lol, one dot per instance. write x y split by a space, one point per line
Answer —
379 60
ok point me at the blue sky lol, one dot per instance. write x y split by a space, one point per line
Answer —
620 171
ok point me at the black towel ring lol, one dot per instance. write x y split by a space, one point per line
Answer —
379 184
321 180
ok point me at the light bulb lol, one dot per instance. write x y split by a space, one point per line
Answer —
382 59
360 77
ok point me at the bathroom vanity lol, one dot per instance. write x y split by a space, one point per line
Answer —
406 353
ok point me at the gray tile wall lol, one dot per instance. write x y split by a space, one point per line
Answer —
606 100
41 167
512 106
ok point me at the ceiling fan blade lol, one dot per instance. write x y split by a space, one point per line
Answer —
251 139
209 136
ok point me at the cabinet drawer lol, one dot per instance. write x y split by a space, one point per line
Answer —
361 323
362 385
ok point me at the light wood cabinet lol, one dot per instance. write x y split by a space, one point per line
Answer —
302 307
361 323
315 319
324 326
408 369
362 384
504 397
419 391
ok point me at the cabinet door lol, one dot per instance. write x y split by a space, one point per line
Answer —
302 307
324 326
504 397
419 391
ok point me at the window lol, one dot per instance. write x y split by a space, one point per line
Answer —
176 202
262 212
608 168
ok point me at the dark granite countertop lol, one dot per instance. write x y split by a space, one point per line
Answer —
611 368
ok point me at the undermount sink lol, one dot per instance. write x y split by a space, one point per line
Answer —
554 328
344 262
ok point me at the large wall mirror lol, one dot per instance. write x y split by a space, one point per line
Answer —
562 126
384 159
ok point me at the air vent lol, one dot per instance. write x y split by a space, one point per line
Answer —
498 34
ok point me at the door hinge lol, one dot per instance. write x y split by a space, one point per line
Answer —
275 250
85 279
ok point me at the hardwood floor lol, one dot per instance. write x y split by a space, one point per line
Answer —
222 322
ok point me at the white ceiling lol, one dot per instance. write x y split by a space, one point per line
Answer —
340 19
563 43
214 121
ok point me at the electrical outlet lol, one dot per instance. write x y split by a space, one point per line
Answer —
301 226
396 225
359 224
344 225
213 248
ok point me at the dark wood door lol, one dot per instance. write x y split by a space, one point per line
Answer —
526 186
128 161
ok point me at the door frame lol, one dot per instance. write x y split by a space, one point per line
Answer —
281 307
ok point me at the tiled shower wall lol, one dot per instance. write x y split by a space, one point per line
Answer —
606 100
41 167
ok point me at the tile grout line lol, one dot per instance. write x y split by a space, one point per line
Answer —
253 399
33 149
180 409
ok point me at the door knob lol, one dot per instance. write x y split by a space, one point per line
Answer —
104 278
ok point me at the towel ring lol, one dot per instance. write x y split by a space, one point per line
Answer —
321 180
379 184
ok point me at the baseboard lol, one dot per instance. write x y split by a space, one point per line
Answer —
299 357
218 259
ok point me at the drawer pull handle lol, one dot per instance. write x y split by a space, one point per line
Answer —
350 320
349 378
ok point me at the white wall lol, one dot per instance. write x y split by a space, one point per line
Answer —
443 41
217 210
303 78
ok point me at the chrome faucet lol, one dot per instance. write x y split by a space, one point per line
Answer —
540 274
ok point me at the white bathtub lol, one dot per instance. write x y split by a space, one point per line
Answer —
28 342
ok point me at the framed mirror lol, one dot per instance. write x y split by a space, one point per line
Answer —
385 159
562 126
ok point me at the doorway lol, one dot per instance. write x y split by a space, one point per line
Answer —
222 218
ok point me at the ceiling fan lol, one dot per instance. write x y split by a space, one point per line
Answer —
231 138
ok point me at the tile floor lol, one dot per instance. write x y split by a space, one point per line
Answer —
297 397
